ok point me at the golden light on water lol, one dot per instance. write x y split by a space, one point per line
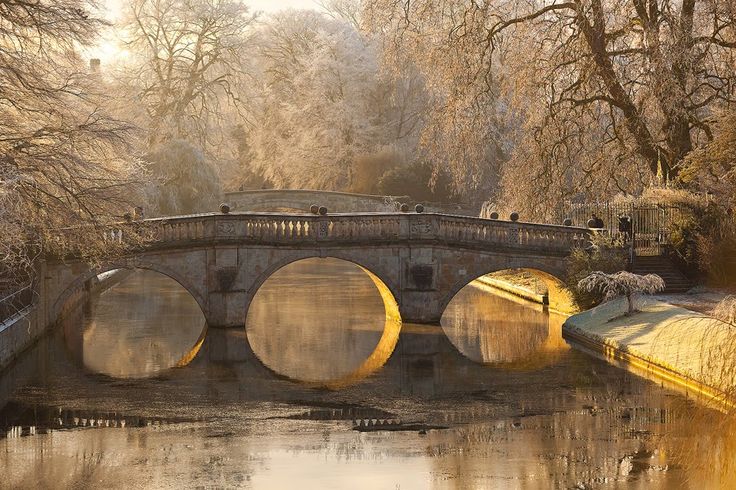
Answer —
331 329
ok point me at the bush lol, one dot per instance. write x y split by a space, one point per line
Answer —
185 182
606 255
716 256
419 182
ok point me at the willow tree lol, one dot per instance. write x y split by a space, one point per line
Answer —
602 95
62 158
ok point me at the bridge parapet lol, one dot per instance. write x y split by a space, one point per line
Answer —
361 228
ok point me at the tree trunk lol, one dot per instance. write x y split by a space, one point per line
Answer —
630 300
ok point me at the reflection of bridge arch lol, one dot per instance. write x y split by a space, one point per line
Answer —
379 354
502 330
559 296
299 200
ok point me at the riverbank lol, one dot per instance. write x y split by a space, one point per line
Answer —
20 331
674 346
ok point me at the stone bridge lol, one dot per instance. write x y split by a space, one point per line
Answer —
422 259
301 199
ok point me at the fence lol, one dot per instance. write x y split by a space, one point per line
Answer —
15 302
651 224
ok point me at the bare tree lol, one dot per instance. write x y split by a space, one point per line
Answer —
595 86
63 159
190 57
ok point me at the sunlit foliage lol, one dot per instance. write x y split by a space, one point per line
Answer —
597 97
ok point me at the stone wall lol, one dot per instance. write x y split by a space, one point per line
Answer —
21 331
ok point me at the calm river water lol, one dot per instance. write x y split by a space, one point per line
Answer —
322 390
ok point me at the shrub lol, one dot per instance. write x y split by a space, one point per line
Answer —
621 283
417 181
606 255
716 254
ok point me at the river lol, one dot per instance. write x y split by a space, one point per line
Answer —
323 389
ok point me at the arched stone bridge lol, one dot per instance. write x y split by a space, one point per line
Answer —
423 259
301 199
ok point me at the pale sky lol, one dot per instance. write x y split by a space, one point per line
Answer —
108 51
114 6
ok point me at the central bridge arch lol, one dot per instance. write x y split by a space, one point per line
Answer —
385 279
319 316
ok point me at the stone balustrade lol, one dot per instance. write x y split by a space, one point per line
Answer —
359 228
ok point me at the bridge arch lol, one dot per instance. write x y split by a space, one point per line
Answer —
559 297
376 357
386 282
79 282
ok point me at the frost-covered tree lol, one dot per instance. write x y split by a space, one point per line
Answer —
599 96
64 161
324 105
188 62
183 181
620 284
725 310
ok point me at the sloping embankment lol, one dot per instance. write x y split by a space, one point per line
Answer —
685 350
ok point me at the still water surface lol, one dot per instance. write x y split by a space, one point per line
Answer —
313 393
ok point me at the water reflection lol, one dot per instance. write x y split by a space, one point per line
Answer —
226 421
144 324
489 327
323 321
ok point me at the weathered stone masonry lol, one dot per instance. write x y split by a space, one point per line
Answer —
424 259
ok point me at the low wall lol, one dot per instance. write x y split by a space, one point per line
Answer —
22 330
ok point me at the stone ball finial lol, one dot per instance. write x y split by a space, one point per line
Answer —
314 209
419 208
404 207
567 222
224 208
322 210
494 215
514 216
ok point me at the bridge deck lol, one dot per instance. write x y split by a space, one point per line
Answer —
359 229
